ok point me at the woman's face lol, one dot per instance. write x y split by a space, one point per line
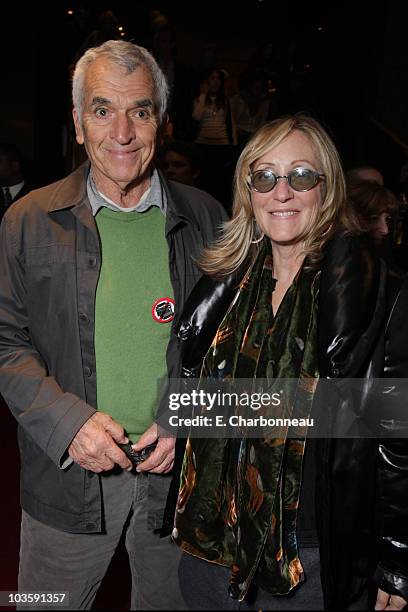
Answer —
214 82
283 214
379 226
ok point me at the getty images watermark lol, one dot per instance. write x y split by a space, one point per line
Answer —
318 408
219 408
220 400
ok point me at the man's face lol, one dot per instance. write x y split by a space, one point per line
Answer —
119 124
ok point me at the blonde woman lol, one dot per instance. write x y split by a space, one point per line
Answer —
308 303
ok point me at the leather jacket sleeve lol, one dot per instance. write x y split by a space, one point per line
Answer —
353 310
392 571
352 300
351 313
202 314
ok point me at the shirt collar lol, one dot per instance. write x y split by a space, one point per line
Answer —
14 189
154 196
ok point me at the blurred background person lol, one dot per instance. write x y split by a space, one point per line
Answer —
216 135
374 205
364 173
377 208
267 61
250 106
401 247
107 28
181 81
12 181
181 161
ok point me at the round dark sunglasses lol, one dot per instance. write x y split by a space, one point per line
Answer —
299 179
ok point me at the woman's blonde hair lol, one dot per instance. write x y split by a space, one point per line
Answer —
236 244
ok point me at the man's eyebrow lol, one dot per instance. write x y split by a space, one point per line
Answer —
145 102
99 100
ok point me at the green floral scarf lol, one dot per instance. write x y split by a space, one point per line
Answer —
238 497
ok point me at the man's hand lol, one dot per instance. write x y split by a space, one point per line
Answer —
389 602
94 448
162 459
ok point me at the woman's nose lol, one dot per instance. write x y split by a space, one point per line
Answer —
383 226
282 190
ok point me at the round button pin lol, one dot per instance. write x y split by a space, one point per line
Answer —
163 310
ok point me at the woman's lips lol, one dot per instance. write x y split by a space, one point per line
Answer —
284 214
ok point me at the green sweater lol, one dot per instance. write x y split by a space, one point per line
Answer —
130 345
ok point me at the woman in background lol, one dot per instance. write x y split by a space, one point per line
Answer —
215 135
376 206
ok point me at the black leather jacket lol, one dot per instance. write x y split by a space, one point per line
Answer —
361 510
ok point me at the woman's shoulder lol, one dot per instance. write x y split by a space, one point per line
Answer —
201 316
207 302
350 261
345 244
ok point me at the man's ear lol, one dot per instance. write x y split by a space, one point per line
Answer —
78 128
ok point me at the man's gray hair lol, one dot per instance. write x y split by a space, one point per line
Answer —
128 56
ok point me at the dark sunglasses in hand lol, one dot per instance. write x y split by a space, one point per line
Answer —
299 179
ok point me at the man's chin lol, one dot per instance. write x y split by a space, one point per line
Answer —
129 182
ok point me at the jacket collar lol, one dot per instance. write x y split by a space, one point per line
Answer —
72 193
179 206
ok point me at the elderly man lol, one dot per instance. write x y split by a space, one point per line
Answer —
93 270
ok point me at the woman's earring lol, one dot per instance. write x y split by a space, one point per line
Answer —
253 232
328 230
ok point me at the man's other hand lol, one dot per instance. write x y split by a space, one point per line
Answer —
94 448
162 458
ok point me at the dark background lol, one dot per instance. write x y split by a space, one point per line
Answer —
350 59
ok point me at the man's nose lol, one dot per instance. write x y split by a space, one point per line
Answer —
122 128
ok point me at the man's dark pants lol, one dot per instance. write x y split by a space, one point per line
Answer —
53 560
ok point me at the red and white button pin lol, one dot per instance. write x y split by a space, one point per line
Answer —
163 310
